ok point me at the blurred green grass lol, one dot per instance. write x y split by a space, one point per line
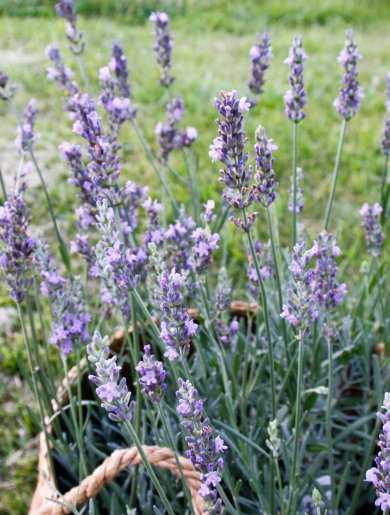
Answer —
212 40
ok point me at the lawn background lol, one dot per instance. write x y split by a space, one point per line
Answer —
212 40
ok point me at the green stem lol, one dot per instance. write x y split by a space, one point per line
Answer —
335 174
295 183
328 427
278 283
385 189
148 467
80 62
266 316
298 410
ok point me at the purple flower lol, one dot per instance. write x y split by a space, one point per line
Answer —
26 137
265 188
66 9
379 475
263 252
103 167
169 137
117 266
204 451
178 238
154 232
260 55
385 143
327 290
301 307
300 191
16 246
69 309
162 46
208 216
3 80
350 93
295 98
176 326
373 230
115 95
202 251
229 148
152 376
110 389
61 74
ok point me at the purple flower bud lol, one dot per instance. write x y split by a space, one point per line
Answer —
26 137
162 46
3 79
168 134
68 306
373 230
265 188
300 309
379 475
152 376
16 246
110 389
327 290
204 244
350 93
176 326
61 74
295 98
204 451
260 55
66 9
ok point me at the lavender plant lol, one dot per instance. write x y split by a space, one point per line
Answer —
288 378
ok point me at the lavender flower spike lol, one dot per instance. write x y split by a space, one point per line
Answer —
26 137
163 46
327 290
16 246
66 9
295 98
260 54
59 73
152 376
379 475
385 143
204 244
176 326
111 390
347 103
265 176
372 228
301 308
229 148
204 451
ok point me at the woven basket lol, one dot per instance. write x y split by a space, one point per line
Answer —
43 501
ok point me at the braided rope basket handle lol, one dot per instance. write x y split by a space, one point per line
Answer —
118 461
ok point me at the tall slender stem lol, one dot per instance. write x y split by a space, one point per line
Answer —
295 183
335 173
382 304
149 468
278 281
266 316
328 426
80 62
298 410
